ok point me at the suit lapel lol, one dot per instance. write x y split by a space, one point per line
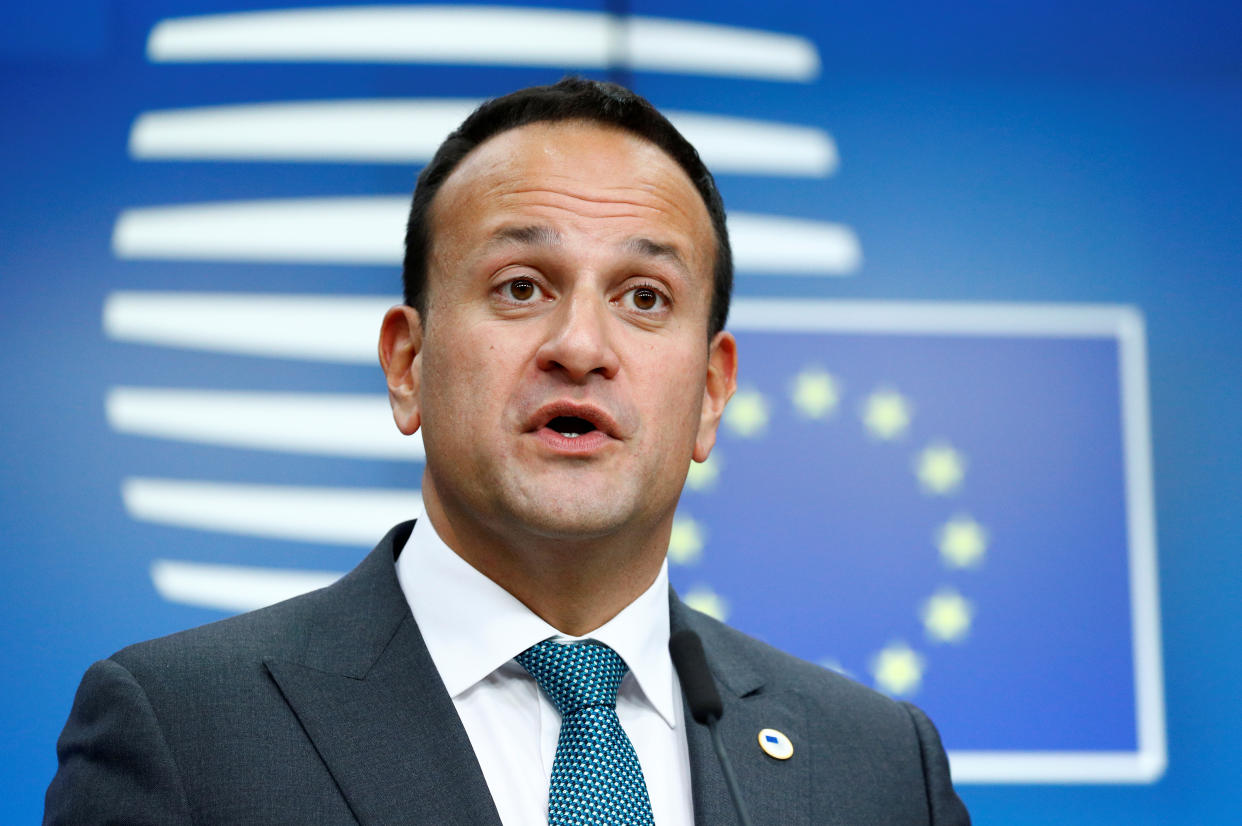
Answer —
372 702
775 791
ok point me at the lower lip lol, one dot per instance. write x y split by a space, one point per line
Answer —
586 443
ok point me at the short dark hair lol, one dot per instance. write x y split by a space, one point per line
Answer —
573 98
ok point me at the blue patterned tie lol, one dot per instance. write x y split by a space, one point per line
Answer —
596 778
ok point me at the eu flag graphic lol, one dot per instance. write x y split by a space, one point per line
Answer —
946 502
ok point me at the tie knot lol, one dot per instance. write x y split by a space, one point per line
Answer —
575 675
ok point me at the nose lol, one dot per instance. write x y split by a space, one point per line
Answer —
579 341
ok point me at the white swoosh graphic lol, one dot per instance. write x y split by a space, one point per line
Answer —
397 131
233 587
334 516
328 424
332 328
776 245
410 131
369 230
361 230
485 35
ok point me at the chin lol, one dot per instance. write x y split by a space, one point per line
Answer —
580 513
572 523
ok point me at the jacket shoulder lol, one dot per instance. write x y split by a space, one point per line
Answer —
341 627
278 630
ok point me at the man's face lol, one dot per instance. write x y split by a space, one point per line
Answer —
560 383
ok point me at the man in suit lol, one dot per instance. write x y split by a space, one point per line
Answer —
561 347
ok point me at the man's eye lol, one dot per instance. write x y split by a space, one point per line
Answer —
646 298
521 289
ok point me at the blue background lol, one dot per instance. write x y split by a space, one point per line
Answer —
1067 152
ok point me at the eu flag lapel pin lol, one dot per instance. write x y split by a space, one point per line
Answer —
775 744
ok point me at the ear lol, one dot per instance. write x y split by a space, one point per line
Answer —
719 388
400 355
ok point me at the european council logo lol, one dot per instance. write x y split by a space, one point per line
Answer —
949 502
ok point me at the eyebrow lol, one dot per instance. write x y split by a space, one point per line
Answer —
539 235
534 235
647 248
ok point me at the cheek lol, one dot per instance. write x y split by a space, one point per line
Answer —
678 397
468 384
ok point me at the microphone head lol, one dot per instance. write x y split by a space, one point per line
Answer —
686 649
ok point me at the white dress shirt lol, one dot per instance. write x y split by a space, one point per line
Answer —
473 629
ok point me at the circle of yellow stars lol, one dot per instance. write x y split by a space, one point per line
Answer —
940 471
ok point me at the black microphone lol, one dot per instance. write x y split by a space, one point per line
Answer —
686 649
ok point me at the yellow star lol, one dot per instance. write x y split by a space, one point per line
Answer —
947 616
685 543
898 669
747 413
962 542
886 414
703 598
940 468
703 475
816 393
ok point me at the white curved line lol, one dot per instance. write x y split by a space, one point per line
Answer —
410 131
332 328
325 424
364 230
370 230
776 245
758 147
487 35
334 516
389 34
398 131
233 587
664 45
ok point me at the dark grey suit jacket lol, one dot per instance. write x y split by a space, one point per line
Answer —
327 709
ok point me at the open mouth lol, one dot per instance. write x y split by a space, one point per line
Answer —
571 427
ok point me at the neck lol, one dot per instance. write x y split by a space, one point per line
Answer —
573 584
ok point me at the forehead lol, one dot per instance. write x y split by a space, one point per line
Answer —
581 173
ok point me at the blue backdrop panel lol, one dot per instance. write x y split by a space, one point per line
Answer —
952 509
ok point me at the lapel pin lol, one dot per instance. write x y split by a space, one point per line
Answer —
775 744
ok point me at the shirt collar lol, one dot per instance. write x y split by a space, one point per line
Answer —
472 626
